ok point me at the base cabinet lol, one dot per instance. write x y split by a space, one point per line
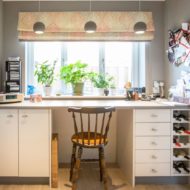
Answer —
25 142
152 142
8 142
33 143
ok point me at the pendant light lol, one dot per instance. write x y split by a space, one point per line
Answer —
90 26
39 27
140 27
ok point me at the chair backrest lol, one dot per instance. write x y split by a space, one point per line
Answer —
91 120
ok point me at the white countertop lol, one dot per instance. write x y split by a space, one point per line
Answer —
93 103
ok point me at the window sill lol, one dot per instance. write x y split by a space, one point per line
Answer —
85 97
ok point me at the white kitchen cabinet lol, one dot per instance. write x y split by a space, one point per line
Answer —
8 142
152 140
25 142
34 138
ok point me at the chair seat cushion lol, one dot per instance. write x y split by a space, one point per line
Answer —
92 142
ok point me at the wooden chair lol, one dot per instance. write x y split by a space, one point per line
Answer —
91 126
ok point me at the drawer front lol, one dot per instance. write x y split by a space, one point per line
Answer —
152 143
152 115
152 129
152 156
152 169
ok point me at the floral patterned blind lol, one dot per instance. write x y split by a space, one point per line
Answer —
69 26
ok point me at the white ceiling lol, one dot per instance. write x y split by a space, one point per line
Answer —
83 0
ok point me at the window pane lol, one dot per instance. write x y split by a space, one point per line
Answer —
50 51
87 52
118 61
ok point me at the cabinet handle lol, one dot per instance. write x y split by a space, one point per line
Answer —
154 171
24 116
154 129
153 143
154 157
154 115
10 116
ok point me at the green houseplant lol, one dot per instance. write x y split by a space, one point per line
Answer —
45 73
102 82
75 74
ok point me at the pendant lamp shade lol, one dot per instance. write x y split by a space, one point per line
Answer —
140 28
39 27
90 27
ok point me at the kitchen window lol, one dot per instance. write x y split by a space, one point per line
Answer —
125 61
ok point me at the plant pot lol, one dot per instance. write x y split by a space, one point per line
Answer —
47 90
106 92
78 89
99 91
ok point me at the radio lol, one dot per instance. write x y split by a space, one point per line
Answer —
11 97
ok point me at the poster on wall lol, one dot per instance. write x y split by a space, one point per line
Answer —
179 46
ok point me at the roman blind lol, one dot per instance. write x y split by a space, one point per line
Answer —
69 26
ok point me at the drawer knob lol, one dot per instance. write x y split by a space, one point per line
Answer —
154 115
154 157
10 116
154 171
153 143
154 129
24 116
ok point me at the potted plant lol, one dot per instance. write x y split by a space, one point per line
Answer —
102 82
45 73
75 74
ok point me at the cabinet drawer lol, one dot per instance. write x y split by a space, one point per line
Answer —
152 115
152 129
152 169
152 156
152 143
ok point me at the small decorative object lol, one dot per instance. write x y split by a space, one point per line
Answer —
35 98
45 73
129 91
75 74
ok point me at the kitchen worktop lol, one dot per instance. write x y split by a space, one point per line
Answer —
93 103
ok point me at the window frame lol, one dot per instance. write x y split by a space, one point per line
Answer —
138 64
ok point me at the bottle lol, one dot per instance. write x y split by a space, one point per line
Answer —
176 142
176 167
161 90
181 153
179 164
179 129
179 116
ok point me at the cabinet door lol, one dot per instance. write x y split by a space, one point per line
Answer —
8 142
34 147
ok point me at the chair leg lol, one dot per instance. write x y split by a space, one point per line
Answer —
76 169
73 159
100 165
103 166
